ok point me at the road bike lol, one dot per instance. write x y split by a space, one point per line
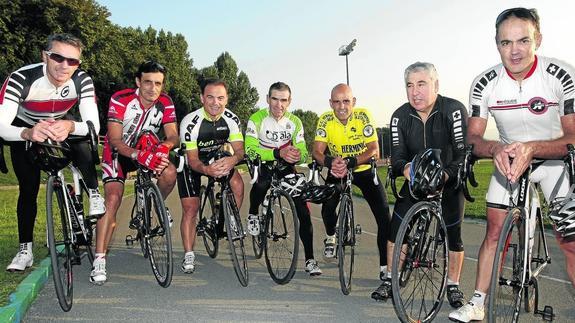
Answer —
279 226
522 252
150 219
420 257
69 229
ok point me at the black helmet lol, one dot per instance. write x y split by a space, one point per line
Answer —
293 184
317 193
50 156
562 213
426 173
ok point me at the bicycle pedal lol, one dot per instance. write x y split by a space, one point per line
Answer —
130 241
547 313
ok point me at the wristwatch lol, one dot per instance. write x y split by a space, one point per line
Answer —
134 155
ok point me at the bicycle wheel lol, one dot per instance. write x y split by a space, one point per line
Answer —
140 236
88 229
59 242
208 216
236 236
420 262
282 238
259 240
158 236
345 243
506 289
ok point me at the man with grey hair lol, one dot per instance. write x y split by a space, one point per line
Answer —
429 120
35 105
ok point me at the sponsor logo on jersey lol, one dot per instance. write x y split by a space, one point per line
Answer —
491 75
353 129
278 135
351 149
250 131
507 101
368 131
321 133
221 128
288 126
112 109
206 143
65 91
552 69
537 105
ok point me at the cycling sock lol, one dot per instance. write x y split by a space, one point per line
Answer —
452 283
389 275
100 256
26 246
478 298
190 253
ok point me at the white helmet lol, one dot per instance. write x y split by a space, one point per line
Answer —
563 214
293 184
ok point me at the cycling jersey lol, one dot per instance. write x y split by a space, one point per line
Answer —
199 132
529 110
347 140
445 129
125 109
27 97
264 134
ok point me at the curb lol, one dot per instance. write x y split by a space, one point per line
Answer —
26 293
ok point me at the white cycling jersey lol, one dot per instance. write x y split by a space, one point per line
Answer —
526 111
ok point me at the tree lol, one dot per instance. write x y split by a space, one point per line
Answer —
242 96
309 121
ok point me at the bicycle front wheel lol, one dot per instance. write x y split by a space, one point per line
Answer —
508 275
236 236
282 238
158 236
208 216
345 243
419 265
59 242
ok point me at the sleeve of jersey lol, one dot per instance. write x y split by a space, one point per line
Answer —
189 131
321 129
88 107
169 111
399 149
299 140
565 76
116 110
458 120
9 97
235 132
252 144
479 94
368 130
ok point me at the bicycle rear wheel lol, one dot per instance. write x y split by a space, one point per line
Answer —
236 236
282 238
345 243
508 276
59 242
158 236
419 265
208 216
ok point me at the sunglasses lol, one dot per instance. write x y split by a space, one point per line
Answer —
524 13
59 59
153 65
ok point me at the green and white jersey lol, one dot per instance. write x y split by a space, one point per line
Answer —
264 134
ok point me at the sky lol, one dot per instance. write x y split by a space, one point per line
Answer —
297 42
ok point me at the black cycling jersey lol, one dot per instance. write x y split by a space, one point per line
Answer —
445 129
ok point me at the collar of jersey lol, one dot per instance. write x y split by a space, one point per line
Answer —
140 101
350 118
285 116
207 116
531 70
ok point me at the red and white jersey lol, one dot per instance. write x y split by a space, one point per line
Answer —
125 108
27 97
526 111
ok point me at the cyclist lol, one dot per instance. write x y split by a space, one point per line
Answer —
531 98
204 132
351 138
36 102
429 120
276 134
132 111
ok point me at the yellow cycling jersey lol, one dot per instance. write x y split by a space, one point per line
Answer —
347 140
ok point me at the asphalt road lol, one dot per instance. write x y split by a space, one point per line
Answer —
213 294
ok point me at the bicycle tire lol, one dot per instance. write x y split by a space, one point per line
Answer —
538 255
236 236
506 286
345 243
424 256
59 243
208 215
158 236
282 238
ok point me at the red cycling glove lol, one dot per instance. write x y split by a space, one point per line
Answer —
162 151
148 159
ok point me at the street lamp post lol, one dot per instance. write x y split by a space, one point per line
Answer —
345 51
